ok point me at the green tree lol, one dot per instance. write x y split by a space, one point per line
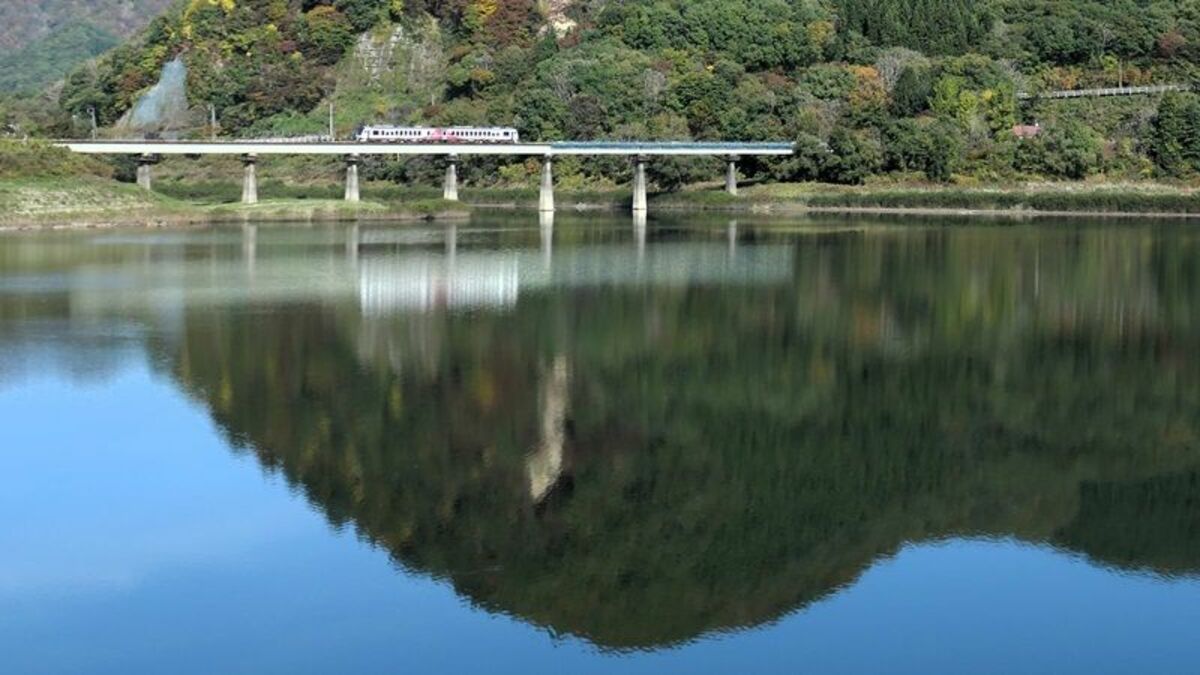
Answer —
945 150
1175 134
854 155
325 34
1068 149
913 90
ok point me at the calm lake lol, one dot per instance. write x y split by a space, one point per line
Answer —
703 446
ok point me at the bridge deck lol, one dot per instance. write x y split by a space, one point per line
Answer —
350 148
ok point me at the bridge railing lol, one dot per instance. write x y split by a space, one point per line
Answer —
1107 91
714 146
312 138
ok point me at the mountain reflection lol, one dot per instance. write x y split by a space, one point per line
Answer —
639 455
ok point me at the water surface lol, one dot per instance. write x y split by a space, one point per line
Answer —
701 446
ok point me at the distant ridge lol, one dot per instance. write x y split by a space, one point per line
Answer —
27 22
41 40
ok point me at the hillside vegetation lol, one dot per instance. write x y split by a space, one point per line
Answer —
39 64
924 88
42 40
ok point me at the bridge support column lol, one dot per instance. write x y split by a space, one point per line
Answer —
450 186
249 179
352 178
639 184
731 182
143 171
546 198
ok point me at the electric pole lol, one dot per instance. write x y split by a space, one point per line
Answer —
331 138
92 112
212 121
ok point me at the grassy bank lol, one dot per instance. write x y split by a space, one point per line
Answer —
31 202
92 201
224 192
68 191
89 201
45 186
1031 199
1018 199
336 209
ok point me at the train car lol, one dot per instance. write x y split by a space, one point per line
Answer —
392 134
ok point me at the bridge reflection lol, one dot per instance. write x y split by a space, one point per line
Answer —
496 279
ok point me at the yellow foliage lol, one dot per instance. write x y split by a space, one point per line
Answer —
484 9
194 6
868 87
820 33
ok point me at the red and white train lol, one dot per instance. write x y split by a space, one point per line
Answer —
390 134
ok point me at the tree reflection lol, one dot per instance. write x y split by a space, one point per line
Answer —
640 465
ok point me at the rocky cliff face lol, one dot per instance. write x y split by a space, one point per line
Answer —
396 70
557 18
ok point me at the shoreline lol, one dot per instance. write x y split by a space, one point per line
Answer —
91 204
82 203
1016 214
160 221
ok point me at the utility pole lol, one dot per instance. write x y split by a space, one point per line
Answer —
212 121
331 138
92 112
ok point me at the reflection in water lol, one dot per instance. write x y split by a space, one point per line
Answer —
545 465
546 227
387 286
639 233
642 444
250 246
353 241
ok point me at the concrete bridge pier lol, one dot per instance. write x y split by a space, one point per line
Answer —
352 162
144 163
546 198
731 182
450 186
249 179
639 184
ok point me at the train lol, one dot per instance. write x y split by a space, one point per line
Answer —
393 134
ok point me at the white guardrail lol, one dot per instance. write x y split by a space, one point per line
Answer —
1109 91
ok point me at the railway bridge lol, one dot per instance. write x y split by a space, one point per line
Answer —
149 152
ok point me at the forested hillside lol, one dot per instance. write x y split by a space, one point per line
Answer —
25 22
41 40
864 87
43 62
